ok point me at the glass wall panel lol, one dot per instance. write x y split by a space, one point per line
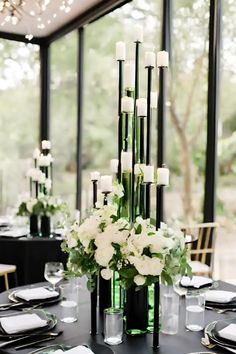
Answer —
63 116
19 117
226 192
187 110
101 80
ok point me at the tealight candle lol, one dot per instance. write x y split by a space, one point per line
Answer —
163 59
163 175
126 161
138 33
106 184
36 154
46 145
127 104
153 99
95 176
114 165
129 75
148 174
120 51
141 104
150 59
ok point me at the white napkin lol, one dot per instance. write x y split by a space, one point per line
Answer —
220 296
77 350
228 332
195 282
14 233
15 324
36 294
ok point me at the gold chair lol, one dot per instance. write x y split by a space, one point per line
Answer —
202 250
5 269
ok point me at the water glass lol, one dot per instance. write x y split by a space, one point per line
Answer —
69 304
53 272
113 326
195 310
169 310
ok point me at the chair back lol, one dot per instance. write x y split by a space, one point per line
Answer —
202 250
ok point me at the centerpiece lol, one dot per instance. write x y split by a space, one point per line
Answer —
119 246
41 203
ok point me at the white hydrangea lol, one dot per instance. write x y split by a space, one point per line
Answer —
146 265
30 204
139 280
103 255
106 273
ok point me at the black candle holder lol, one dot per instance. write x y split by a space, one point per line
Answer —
93 301
120 136
149 89
147 199
105 200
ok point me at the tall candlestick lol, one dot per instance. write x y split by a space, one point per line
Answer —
149 88
95 193
120 57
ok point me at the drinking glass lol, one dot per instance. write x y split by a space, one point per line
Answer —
53 272
113 326
195 310
169 310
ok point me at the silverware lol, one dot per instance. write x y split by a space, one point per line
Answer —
31 344
218 310
5 307
29 336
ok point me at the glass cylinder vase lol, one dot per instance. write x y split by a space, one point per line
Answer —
34 230
45 226
136 310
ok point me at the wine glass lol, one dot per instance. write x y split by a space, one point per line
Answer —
53 272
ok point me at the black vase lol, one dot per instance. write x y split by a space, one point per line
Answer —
136 310
104 294
34 230
45 226
93 302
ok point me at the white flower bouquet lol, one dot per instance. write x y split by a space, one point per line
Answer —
104 243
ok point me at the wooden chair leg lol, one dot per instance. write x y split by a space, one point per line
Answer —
6 282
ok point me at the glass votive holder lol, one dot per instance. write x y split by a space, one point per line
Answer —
169 310
113 326
195 310
69 304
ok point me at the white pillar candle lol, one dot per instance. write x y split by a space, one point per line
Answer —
48 184
95 176
148 174
163 175
141 104
41 178
77 215
163 59
36 154
120 51
153 99
150 59
114 165
127 104
46 144
106 184
36 175
126 161
138 33
44 160
50 158
129 75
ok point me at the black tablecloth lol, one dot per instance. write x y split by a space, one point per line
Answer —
30 255
182 343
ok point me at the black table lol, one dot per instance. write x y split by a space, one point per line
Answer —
30 255
182 343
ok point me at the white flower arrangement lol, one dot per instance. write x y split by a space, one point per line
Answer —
104 243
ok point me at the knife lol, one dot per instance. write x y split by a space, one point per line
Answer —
31 336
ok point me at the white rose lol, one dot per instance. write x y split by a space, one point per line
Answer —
139 280
103 255
71 241
106 273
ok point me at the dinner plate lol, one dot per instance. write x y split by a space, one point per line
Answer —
212 330
220 305
95 347
51 323
14 298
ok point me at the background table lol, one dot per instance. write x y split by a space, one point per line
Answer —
30 255
78 333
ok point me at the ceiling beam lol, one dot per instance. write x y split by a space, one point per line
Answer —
90 15
20 38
